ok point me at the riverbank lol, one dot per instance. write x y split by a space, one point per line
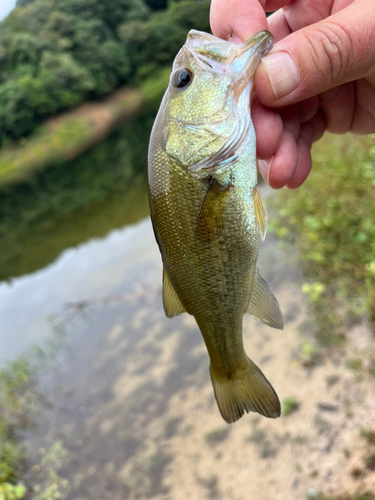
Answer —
78 187
331 220
68 135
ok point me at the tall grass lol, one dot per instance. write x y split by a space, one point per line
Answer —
331 219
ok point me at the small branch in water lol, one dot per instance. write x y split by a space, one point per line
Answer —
137 293
78 307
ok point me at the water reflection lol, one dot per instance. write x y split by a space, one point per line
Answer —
130 399
66 204
98 268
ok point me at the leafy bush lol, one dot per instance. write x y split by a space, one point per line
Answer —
54 55
158 39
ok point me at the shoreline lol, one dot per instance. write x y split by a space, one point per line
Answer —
68 135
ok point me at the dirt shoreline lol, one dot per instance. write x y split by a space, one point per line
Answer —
67 136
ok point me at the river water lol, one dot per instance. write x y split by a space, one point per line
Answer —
123 381
97 268
123 406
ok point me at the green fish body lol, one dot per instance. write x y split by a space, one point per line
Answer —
208 214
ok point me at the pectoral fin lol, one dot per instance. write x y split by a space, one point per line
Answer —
171 302
210 221
260 212
263 304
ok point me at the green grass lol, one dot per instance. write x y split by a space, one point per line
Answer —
310 355
354 364
331 219
369 456
20 161
18 398
289 406
22 405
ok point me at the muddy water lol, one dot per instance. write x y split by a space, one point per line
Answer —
128 409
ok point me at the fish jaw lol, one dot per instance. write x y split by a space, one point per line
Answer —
248 56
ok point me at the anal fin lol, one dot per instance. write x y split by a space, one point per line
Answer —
263 304
171 302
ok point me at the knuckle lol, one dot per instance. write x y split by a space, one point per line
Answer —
332 49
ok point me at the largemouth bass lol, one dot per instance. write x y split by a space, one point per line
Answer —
208 213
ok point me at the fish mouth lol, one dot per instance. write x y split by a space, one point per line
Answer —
249 54
261 43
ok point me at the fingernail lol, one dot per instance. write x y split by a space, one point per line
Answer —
282 73
265 167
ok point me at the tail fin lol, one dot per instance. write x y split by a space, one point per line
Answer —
247 390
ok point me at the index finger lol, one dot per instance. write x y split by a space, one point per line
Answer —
241 19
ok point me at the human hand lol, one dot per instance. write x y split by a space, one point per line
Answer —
320 75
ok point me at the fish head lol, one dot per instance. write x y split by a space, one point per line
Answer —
206 107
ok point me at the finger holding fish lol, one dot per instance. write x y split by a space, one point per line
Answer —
238 20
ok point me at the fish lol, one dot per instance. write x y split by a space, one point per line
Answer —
208 213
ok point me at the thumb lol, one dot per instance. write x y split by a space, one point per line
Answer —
237 20
316 58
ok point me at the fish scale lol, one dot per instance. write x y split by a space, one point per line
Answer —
208 215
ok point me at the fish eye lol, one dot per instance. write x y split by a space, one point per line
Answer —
182 78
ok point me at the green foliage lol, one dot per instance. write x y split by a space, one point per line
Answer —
354 364
61 82
314 291
21 404
23 3
10 491
153 88
54 55
155 42
331 218
190 14
289 406
18 398
310 355
157 4
53 486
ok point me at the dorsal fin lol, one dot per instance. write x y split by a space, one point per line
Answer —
263 305
260 212
171 302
